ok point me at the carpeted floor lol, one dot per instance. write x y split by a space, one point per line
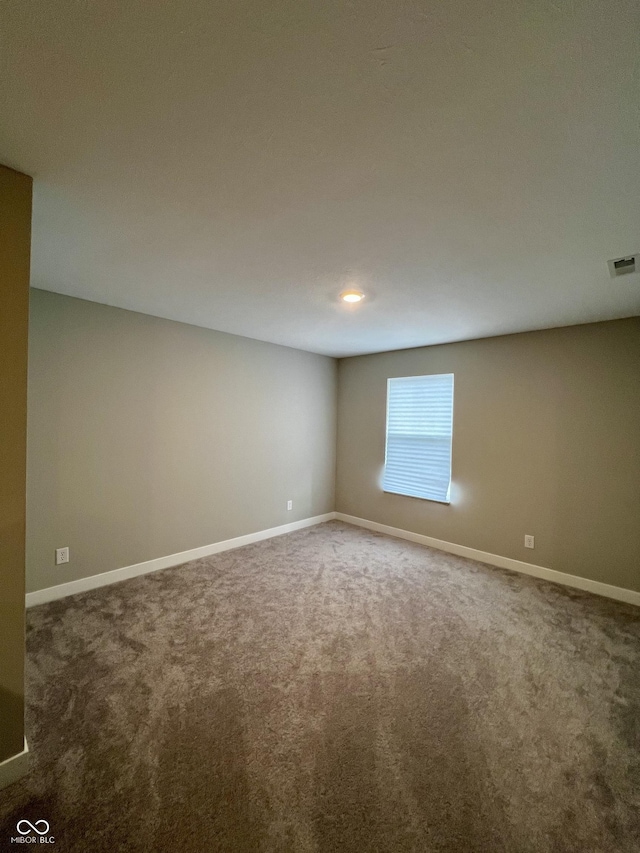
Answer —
333 690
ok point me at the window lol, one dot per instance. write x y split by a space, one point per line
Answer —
419 431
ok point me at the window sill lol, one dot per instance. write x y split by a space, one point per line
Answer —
418 498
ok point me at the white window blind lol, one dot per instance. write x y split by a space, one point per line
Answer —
419 432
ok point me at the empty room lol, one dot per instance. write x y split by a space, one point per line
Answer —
320 426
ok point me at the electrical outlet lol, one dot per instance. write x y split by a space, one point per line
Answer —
528 542
62 556
289 505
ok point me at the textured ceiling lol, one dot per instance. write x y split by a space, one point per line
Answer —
470 166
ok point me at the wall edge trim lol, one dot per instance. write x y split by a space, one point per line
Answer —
629 596
14 767
51 593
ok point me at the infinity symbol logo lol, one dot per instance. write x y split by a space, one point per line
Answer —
32 827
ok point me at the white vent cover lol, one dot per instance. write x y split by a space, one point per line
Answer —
624 266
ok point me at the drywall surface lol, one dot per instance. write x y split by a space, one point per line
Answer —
15 248
546 442
470 166
149 437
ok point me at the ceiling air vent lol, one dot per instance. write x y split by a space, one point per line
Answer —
624 266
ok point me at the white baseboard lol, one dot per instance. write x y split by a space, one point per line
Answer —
51 593
14 768
629 596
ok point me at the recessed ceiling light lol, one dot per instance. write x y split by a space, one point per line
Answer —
352 296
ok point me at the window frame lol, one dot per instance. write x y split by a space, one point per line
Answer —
447 501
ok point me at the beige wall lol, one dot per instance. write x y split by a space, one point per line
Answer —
546 441
15 243
149 437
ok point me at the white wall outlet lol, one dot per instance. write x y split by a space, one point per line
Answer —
528 542
62 556
289 505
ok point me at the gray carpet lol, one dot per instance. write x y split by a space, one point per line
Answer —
333 690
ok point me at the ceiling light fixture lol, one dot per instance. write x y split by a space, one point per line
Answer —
352 296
